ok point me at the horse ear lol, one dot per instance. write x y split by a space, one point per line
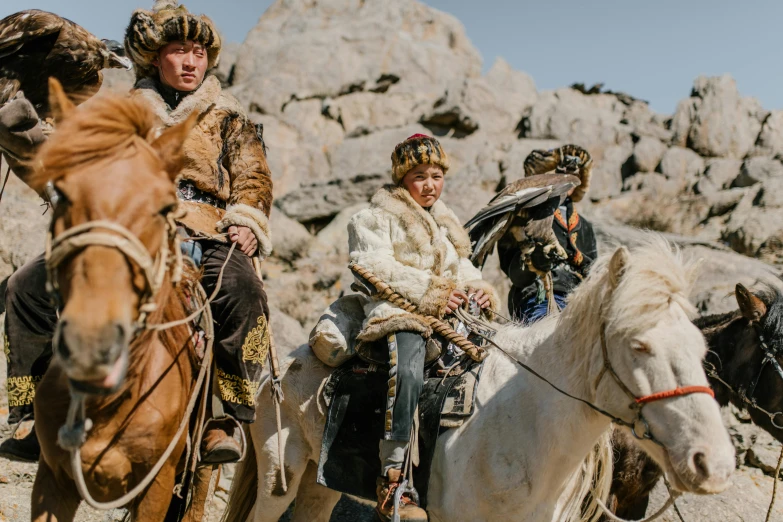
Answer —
617 266
58 100
752 308
169 145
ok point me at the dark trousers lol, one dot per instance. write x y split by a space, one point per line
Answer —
241 334
29 324
406 379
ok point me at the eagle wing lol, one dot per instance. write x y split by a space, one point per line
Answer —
23 27
519 203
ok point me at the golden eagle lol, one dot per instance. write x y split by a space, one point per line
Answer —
36 45
524 210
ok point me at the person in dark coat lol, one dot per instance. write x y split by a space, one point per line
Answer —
527 299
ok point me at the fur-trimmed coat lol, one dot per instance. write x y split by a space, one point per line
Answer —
223 157
421 254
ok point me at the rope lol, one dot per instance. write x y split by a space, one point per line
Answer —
776 478
677 392
440 327
76 460
277 389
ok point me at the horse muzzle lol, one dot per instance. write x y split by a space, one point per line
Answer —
95 360
703 470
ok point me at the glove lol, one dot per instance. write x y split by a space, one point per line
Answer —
540 260
546 257
20 128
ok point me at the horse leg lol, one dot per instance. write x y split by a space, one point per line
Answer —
314 502
153 504
271 500
52 500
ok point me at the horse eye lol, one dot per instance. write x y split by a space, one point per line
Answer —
168 209
639 346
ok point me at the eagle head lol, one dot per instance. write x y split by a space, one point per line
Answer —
569 165
114 56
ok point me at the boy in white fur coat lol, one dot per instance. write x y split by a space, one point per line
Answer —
413 242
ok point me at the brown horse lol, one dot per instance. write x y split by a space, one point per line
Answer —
117 179
738 374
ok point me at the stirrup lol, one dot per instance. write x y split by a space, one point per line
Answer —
401 490
239 427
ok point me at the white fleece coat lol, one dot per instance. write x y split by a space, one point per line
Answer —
422 255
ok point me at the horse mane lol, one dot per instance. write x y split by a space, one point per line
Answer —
655 276
102 128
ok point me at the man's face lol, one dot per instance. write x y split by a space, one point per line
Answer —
182 65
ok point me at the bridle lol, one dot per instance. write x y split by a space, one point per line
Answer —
638 403
73 434
748 398
112 235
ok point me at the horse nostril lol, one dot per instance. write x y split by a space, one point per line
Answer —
59 341
699 465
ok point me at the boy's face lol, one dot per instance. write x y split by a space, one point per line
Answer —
182 65
424 183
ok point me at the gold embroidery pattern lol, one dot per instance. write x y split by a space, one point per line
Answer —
21 390
7 349
256 345
236 389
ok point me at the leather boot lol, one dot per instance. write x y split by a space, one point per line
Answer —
385 488
222 442
23 445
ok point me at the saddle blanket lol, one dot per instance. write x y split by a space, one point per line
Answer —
356 398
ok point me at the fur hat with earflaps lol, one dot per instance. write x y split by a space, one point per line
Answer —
419 149
167 22
568 159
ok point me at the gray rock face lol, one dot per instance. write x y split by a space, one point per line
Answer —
758 170
716 120
718 175
22 224
351 45
770 140
681 164
570 116
647 154
607 178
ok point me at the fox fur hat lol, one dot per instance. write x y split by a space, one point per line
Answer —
167 22
568 159
418 149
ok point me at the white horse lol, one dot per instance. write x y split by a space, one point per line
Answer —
528 452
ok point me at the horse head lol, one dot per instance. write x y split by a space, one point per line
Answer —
746 356
649 373
115 181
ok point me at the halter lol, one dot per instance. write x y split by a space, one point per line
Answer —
75 239
637 403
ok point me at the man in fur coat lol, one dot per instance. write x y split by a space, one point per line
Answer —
413 242
226 189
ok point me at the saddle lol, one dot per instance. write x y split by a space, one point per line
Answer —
355 394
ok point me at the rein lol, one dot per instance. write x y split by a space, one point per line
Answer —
637 403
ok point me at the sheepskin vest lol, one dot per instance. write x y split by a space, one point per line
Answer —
224 157
423 255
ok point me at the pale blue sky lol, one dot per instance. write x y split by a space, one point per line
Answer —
652 49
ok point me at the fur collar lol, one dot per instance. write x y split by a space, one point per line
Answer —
209 95
423 226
